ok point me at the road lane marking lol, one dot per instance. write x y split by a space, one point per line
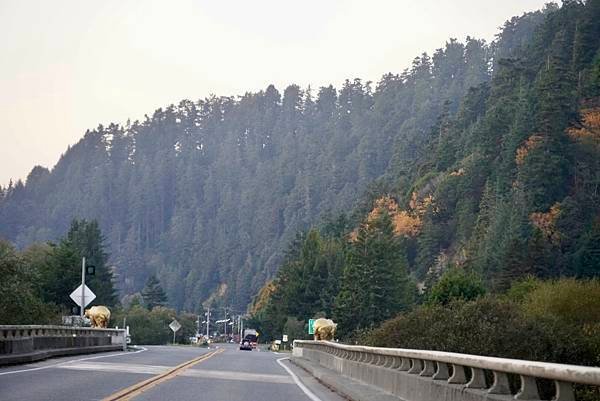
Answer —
200 373
118 367
70 361
138 388
305 389
240 376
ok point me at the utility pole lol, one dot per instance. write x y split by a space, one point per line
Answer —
198 327
207 324
81 310
225 308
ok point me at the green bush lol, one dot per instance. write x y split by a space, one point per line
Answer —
152 327
491 326
147 327
20 302
520 289
455 284
570 301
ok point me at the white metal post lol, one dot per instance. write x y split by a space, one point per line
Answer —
81 311
207 324
198 327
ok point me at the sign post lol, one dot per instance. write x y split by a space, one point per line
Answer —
175 326
83 304
284 339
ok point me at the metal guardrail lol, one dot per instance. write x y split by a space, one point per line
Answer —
450 368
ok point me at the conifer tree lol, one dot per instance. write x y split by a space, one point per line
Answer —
86 237
153 294
375 284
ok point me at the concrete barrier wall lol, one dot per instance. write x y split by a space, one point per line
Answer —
414 375
21 344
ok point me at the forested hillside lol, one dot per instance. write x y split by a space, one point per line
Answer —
466 151
505 186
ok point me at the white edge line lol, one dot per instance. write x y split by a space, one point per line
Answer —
305 389
71 361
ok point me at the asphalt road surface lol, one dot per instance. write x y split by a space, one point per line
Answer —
154 373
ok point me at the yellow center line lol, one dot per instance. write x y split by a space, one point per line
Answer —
138 388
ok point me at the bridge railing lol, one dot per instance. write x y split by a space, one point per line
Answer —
427 375
19 344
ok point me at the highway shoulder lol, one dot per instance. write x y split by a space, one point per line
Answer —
317 388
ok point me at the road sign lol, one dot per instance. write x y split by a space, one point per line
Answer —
285 338
175 325
311 326
88 295
90 270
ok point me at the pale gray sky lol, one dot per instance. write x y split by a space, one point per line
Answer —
68 65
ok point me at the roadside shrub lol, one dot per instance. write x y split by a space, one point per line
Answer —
491 326
147 327
521 288
456 284
20 303
571 301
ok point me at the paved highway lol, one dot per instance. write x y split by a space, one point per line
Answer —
170 373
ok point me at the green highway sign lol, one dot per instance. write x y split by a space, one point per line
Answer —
311 326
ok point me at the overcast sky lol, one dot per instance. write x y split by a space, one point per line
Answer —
69 65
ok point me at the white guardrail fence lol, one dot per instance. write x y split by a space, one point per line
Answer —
415 375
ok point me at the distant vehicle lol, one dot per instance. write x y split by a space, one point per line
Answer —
250 340
245 345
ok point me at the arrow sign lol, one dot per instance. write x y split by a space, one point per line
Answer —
88 296
175 325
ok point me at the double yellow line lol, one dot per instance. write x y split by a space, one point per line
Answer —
138 388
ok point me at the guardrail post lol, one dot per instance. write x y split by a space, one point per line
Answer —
428 369
458 375
564 391
442 372
404 365
417 367
500 385
529 389
477 380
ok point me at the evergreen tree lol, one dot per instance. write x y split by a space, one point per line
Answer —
375 284
153 294
86 238
59 275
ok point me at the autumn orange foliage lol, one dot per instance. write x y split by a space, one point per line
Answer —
546 223
589 128
406 222
263 297
531 143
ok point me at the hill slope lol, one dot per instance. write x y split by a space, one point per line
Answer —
208 194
